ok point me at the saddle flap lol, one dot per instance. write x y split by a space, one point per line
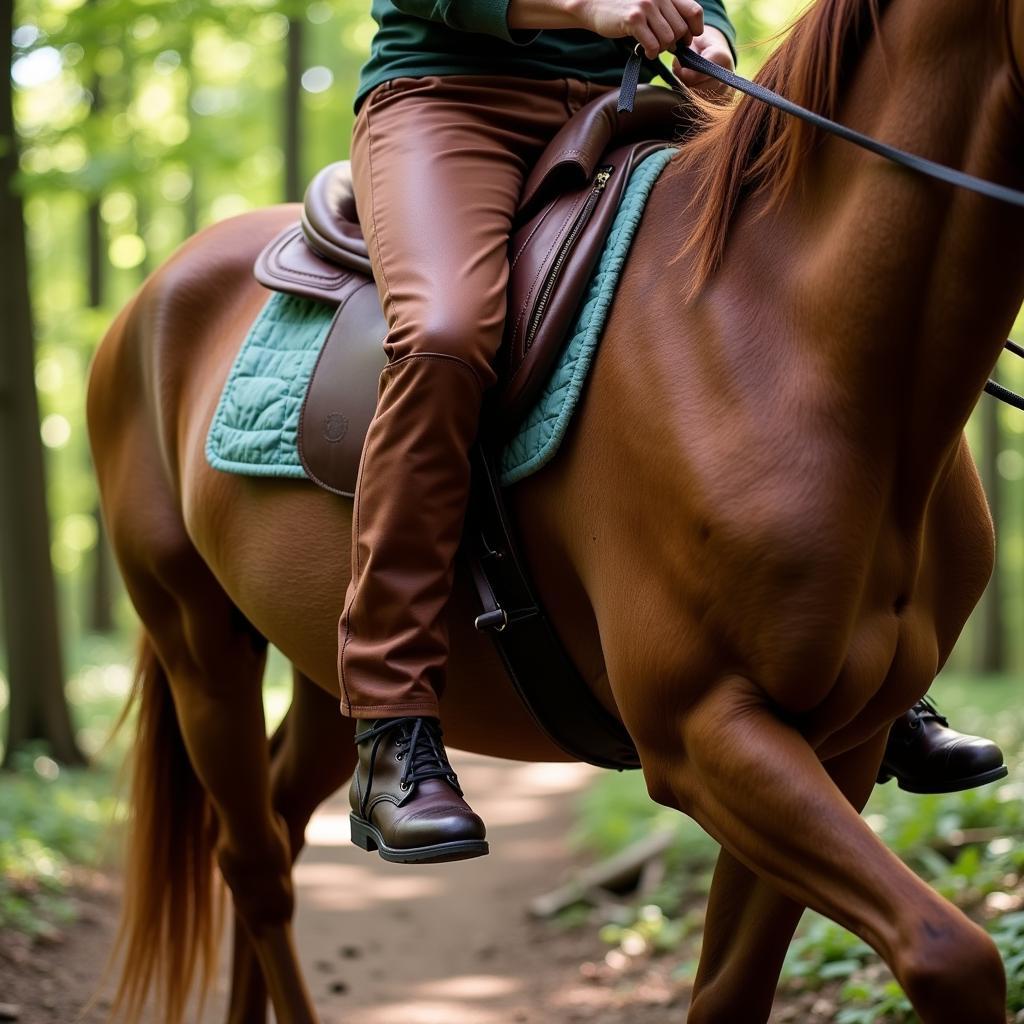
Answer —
571 158
287 264
342 394
552 258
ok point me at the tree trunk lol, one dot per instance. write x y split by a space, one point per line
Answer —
192 205
38 707
292 121
990 639
100 599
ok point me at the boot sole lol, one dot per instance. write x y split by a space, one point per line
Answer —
368 838
951 786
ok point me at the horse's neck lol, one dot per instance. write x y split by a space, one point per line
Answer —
922 279
895 290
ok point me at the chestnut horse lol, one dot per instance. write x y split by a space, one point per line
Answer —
759 543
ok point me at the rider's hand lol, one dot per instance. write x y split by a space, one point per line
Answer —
713 46
656 24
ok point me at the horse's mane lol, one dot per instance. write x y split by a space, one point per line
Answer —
750 148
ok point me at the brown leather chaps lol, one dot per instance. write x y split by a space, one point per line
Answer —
438 164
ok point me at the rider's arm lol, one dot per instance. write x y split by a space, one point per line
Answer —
519 21
625 18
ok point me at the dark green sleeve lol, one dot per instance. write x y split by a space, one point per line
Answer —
491 18
487 16
715 16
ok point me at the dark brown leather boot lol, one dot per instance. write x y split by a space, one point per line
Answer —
925 756
406 800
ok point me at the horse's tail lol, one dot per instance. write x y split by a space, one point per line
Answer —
170 924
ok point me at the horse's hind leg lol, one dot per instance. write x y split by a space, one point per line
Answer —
312 756
214 666
750 924
756 785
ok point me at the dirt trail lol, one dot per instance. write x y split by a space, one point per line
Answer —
388 944
442 944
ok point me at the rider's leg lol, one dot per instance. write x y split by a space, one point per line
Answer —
438 164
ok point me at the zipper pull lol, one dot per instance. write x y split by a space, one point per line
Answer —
602 176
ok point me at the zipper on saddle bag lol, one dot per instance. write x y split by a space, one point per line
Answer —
580 221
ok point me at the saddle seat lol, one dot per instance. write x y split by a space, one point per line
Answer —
330 221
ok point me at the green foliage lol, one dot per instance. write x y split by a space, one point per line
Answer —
50 821
867 1004
1008 932
54 821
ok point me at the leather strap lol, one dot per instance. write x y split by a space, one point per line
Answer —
547 680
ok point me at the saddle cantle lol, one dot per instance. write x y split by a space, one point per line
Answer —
564 216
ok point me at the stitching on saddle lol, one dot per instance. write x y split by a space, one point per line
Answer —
528 238
287 273
543 264
627 170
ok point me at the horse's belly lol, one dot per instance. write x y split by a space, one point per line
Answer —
281 549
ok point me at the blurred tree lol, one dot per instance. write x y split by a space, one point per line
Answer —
100 610
292 140
38 708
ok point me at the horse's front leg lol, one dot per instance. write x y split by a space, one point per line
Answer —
756 785
750 924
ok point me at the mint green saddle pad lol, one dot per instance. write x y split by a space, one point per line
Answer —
255 428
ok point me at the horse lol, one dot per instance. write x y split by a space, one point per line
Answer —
759 542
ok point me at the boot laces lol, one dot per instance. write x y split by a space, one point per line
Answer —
420 748
925 710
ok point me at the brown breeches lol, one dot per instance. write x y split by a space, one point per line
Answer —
438 164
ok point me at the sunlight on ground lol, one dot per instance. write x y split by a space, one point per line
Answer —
328 829
552 777
430 1013
471 986
515 810
526 850
346 887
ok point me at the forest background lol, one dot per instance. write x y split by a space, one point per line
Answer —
127 126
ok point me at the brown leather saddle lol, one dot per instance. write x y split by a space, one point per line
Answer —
564 216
